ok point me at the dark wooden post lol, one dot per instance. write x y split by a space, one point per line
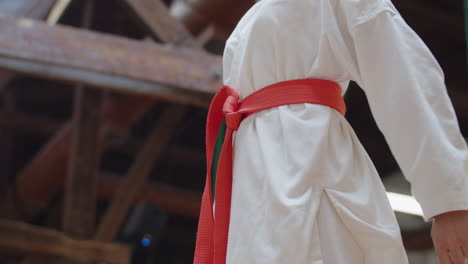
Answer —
7 137
139 172
24 239
81 183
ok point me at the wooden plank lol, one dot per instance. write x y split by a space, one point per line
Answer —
5 77
107 81
6 138
81 183
7 141
170 31
80 197
39 181
178 155
48 165
40 259
138 173
57 11
36 192
156 17
36 9
199 14
25 122
18 238
169 198
45 126
35 48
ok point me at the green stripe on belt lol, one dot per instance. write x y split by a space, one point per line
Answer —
216 155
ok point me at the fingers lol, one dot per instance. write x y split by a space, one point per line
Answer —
457 255
443 256
456 246
453 256
450 236
464 248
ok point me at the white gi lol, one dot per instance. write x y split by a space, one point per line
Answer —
304 190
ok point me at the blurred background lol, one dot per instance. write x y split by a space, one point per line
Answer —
102 116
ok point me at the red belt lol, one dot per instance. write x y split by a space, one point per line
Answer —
226 113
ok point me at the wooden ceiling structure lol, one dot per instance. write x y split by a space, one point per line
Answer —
140 74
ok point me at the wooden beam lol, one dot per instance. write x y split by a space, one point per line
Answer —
39 181
138 173
157 18
223 14
112 118
39 259
7 141
81 183
172 199
57 11
45 126
178 154
48 173
5 77
116 83
106 61
48 165
18 238
35 9
120 112
80 197
170 31
20 121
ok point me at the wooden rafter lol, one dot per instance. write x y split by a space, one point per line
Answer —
157 18
172 199
80 195
7 136
30 182
25 239
105 61
50 164
138 173
35 9
21 121
45 126
57 11
118 113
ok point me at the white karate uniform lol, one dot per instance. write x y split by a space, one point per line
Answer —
304 189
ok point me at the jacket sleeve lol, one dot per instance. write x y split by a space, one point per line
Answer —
405 88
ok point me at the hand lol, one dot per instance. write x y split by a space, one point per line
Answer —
450 236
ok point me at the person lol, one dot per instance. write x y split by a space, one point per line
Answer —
303 188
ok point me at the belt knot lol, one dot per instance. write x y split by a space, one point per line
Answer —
230 108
